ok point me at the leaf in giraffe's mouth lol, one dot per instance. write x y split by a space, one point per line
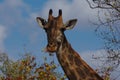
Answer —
51 49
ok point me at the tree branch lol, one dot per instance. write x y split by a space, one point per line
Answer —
108 6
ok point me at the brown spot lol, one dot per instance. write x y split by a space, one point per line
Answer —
81 73
70 58
77 61
92 79
62 61
66 65
86 70
72 75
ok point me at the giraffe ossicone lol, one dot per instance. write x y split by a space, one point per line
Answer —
73 65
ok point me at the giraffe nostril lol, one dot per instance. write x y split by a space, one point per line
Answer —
51 44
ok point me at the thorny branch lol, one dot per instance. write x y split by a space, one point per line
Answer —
105 5
108 29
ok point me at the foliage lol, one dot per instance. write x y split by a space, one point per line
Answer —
27 69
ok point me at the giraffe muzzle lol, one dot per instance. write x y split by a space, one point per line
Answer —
51 47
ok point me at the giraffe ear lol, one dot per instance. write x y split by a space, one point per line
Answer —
42 22
70 24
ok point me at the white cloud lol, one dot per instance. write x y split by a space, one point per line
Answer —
14 15
76 9
2 37
13 3
11 12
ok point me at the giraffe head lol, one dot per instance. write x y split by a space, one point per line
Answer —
54 29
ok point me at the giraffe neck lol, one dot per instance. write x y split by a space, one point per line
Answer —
74 67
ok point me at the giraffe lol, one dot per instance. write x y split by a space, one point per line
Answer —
72 64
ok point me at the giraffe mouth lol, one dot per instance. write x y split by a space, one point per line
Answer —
51 49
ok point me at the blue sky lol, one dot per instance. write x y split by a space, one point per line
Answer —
19 31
